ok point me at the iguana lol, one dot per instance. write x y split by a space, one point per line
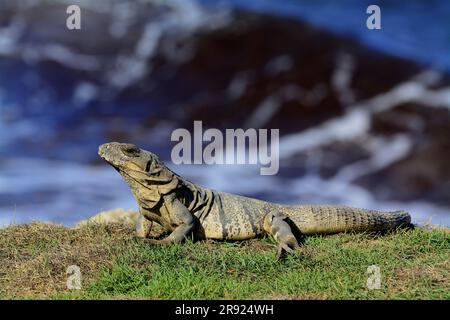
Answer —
186 209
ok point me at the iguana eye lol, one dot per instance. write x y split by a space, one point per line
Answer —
147 167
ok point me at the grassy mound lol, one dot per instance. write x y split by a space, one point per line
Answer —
34 258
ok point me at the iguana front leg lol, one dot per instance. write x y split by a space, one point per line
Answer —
275 224
181 217
145 221
143 226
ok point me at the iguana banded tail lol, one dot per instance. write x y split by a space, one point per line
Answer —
185 209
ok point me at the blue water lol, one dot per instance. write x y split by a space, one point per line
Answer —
416 29
49 141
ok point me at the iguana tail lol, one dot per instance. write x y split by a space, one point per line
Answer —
325 219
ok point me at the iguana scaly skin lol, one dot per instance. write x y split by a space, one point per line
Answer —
185 209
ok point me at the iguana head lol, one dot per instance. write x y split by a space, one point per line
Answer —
127 158
146 175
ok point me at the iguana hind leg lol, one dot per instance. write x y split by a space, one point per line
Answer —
275 223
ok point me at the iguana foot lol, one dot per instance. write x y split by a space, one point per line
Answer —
275 224
153 241
177 236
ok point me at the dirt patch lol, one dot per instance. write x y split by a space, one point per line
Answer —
34 257
256 245
405 278
434 273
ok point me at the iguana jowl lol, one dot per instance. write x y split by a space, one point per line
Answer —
185 208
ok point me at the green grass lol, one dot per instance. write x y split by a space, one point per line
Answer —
414 264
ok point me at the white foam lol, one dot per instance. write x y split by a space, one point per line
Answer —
238 85
62 55
272 104
342 77
84 93
350 126
279 64
122 18
356 122
384 152
184 18
9 36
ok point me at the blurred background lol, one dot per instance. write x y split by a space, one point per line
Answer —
364 115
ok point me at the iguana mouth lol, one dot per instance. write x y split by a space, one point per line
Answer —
109 162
